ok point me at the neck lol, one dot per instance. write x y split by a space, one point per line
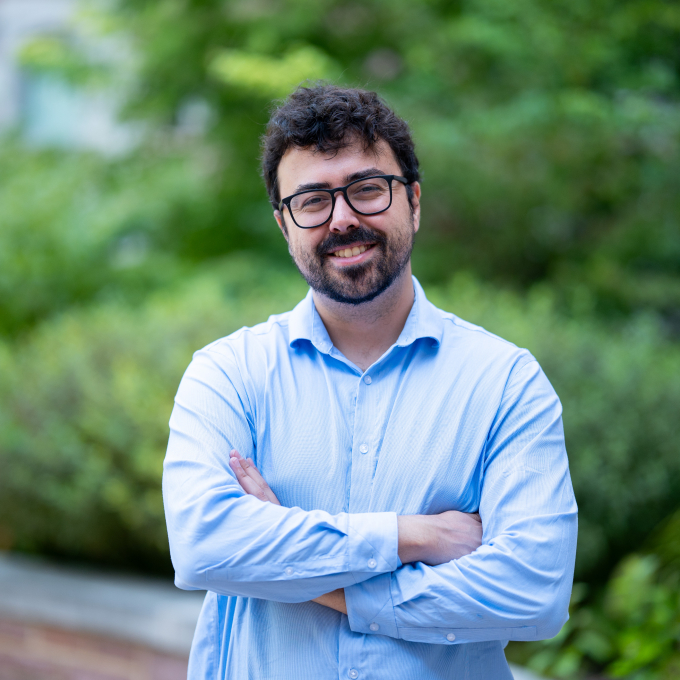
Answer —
363 333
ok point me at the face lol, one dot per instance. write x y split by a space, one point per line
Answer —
352 258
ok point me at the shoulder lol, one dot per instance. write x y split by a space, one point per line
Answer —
265 337
244 354
241 359
474 342
490 360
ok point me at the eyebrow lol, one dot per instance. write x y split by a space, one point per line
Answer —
369 172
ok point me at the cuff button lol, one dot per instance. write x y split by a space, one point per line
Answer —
450 637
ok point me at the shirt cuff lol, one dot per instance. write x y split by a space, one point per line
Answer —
369 607
373 544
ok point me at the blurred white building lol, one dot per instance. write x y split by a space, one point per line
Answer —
45 109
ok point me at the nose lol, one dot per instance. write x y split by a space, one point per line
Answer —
344 218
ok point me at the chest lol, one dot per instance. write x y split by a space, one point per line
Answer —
408 436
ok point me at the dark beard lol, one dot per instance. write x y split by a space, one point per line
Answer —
358 283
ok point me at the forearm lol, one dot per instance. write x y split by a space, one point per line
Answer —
410 547
226 541
517 588
333 600
511 590
432 539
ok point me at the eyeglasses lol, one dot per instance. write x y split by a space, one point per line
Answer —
368 196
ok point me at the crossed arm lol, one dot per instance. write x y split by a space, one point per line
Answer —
412 578
431 539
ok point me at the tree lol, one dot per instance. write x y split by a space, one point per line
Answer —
549 131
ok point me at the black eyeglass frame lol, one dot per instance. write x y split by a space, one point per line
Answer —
286 201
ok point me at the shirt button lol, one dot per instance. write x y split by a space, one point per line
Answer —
289 571
353 673
372 564
450 637
374 627
363 448
367 379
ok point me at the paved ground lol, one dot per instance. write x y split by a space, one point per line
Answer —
59 623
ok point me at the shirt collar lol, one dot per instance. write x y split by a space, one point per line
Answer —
424 321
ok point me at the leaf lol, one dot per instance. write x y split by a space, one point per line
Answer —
270 76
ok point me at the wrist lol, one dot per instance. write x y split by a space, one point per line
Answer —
411 537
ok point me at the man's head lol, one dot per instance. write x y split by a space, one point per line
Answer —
326 137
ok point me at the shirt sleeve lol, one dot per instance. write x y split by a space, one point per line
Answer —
517 585
234 544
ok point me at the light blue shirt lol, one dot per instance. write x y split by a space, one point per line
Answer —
451 417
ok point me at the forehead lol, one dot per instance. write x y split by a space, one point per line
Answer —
306 166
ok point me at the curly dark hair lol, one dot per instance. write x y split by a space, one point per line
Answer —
327 118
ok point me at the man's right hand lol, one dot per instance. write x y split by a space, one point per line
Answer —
436 539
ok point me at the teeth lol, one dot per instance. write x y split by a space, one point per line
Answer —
350 252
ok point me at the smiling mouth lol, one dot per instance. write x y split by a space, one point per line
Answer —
351 252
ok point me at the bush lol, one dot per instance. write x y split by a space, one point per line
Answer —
85 404
86 399
76 228
549 131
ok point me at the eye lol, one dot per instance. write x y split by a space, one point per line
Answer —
369 190
315 202
311 202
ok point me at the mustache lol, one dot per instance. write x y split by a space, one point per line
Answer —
357 235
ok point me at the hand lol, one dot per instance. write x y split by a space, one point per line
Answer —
251 481
436 539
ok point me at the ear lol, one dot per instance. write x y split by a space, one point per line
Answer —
278 216
415 205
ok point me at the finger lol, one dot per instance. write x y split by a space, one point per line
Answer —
253 472
235 465
255 475
247 483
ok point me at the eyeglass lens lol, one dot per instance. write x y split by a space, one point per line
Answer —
313 208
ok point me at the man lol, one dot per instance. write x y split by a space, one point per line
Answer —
382 426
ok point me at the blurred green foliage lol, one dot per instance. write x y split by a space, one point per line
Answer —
56 54
85 407
548 131
76 228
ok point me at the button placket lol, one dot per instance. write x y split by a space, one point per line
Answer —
366 409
